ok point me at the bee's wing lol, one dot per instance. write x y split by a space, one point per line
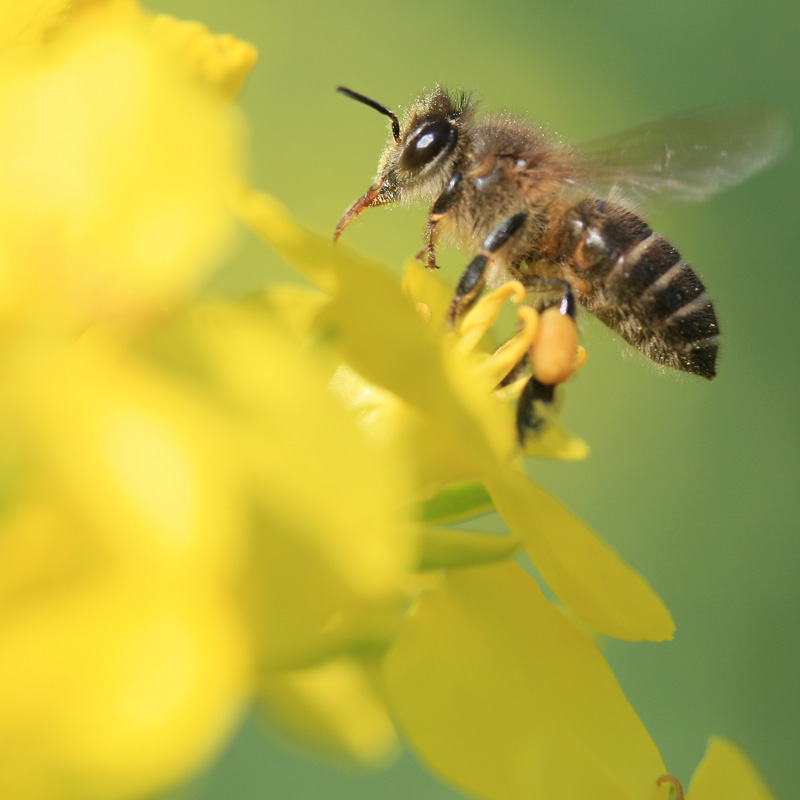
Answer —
692 155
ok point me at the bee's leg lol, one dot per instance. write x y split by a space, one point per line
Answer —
446 200
471 283
536 403
566 302
534 407
566 306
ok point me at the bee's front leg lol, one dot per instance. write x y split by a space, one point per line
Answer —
474 277
444 203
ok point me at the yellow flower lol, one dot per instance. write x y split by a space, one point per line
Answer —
183 505
437 408
181 491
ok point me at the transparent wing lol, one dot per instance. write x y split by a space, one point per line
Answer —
692 155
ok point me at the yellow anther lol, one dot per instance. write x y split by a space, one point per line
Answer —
508 355
484 313
677 786
520 292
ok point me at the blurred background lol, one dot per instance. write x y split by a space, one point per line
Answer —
694 483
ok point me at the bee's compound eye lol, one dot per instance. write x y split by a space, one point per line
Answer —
428 142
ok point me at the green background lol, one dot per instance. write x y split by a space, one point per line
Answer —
695 483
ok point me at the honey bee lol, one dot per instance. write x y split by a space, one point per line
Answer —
552 216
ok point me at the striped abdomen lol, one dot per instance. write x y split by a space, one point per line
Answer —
635 282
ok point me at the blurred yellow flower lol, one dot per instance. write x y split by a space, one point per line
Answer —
113 203
125 657
182 503
340 545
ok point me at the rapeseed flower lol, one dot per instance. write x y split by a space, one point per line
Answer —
440 410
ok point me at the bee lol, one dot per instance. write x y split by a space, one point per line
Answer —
551 216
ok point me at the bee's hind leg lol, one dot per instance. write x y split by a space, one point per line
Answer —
472 281
552 286
552 357
535 406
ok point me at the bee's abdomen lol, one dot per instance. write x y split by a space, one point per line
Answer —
638 285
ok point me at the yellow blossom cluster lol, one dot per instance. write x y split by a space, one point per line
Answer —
208 505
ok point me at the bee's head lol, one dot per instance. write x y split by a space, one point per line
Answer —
417 162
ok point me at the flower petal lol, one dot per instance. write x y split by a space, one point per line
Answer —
219 61
590 579
555 441
726 773
501 695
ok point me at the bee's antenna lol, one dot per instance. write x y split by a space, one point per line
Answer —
377 106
